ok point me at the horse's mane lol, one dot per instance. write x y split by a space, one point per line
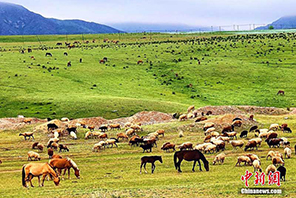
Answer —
72 162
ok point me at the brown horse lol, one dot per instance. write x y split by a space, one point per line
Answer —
149 159
36 170
190 155
66 164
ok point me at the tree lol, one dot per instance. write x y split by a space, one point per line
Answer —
270 27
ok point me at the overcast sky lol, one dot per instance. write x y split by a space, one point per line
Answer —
190 12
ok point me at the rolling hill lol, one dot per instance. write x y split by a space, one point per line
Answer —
287 22
17 20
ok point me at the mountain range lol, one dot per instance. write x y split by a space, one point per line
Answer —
287 22
17 20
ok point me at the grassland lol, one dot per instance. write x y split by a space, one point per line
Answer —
114 172
233 70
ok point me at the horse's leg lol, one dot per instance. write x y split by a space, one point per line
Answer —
193 165
145 167
199 165
152 167
39 181
30 177
179 165
68 173
43 178
141 167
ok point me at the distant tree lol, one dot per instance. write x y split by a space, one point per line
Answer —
270 27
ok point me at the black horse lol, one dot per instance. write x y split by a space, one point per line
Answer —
190 155
149 159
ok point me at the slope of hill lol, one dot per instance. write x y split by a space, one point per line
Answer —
287 22
17 20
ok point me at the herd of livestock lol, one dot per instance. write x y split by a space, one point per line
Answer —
214 141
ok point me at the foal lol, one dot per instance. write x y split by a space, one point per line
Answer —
149 159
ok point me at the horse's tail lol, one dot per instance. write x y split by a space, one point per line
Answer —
175 160
24 176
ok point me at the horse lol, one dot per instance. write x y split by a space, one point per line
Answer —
280 92
67 164
149 159
36 170
190 155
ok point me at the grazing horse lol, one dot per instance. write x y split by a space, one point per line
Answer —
190 155
149 159
36 170
280 92
66 164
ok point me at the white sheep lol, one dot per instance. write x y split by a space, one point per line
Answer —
288 152
73 135
274 127
219 158
237 143
270 168
257 165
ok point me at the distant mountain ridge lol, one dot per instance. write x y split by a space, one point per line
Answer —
17 20
287 22
147 27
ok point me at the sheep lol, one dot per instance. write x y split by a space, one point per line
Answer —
136 127
191 108
73 135
111 142
219 158
214 134
220 144
257 165
201 147
253 128
183 117
54 145
225 139
130 132
34 145
237 143
263 134
258 140
251 144
91 128
274 127
277 160
185 146
210 148
40 147
270 154
237 123
199 119
288 152
284 125
114 126
190 115
208 125
271 135
56 134
98 146
103 128
103 136
285 141
122 136
244 159
274 142
282 171
65 119
168 146
160 132
243 134
287 129
227 129
252 157
127 125
27 120
209 130
181 134
32 154
231 134
88 135
52 140
270 168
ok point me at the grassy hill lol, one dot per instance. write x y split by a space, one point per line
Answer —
233 70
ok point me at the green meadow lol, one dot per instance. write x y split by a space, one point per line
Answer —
233 70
